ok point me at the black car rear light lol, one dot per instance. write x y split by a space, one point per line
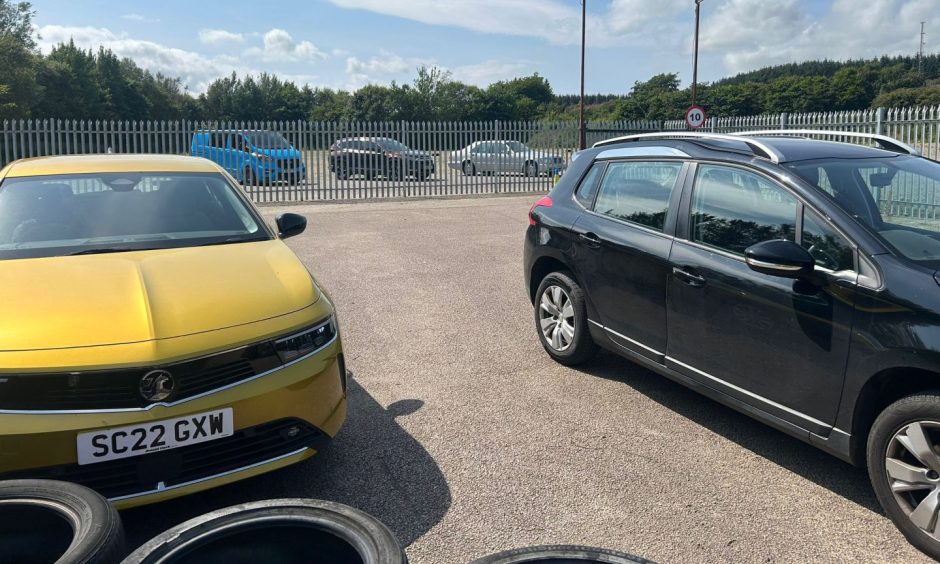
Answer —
544 202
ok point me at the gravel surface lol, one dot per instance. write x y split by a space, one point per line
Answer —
466 439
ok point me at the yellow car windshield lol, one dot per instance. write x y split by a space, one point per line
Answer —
97 213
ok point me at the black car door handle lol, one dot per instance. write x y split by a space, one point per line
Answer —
691 279
591 240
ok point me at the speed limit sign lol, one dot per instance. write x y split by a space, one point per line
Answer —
695 117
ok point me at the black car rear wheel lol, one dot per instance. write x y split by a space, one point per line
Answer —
904 467
561 320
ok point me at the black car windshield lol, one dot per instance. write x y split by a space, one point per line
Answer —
42 216
518 147
391 145
898 198
267 140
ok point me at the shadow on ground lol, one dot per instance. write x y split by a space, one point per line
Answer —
373 464
790 453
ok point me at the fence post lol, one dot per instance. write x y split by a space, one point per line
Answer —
880 121
784 120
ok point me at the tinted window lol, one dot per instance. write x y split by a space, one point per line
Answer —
588 186
61 215
638 192
390 145
267 140
830 249
733 209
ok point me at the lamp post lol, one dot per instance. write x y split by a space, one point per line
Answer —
695 53
582 143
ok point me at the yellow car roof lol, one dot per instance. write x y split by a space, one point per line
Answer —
89 164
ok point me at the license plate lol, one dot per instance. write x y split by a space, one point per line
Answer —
145 438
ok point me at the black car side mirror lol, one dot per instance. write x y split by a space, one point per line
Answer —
290 224
780 258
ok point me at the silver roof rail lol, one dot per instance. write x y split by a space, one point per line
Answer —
883 141
760 149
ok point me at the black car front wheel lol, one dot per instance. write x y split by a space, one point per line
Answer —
904 466
561 320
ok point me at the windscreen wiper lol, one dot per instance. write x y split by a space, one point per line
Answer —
104 250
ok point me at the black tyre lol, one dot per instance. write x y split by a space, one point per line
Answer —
50 521
469 169
342 173
904 467
560 554
531 168
278 530
561 319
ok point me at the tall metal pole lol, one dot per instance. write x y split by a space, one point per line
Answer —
695 54
920 53
582 143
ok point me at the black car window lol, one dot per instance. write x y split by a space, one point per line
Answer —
588 187
638 192
733 209
830 249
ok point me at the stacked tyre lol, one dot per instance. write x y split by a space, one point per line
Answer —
48 521
283 530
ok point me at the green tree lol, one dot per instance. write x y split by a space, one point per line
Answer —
853 88
908 97
18 58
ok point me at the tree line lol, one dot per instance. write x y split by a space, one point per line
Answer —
72 83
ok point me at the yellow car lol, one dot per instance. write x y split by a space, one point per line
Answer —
157 338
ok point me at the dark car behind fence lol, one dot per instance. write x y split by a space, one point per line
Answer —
299 166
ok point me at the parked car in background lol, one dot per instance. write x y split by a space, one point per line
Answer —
158 337
372 157
252 157
793 279
487 157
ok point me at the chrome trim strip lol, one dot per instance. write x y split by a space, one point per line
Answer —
751 394
207 478
172 404
773 265
625 338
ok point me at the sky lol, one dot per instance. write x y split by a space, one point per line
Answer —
349 43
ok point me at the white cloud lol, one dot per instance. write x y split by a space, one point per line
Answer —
280 46
195 70
751 34
488 72
138 18
216 36
385 64
556 21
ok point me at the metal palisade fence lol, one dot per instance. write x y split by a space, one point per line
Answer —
307 161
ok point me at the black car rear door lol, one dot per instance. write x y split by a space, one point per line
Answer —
622 251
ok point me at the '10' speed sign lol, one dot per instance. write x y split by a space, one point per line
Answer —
695 117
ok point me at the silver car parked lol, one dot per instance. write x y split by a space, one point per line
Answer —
505 157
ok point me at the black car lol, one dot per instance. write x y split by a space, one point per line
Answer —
793 279
378 156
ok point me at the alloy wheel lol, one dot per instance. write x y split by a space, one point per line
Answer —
912 462
468 168
556 318
531 169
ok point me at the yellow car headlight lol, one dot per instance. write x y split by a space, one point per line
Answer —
307 341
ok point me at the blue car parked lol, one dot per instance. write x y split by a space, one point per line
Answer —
252 157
